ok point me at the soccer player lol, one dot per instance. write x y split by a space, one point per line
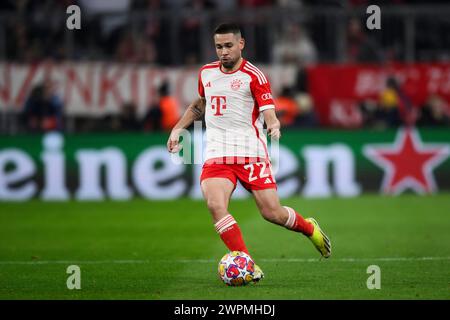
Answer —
236 98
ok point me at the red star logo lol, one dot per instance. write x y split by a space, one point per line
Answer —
408 163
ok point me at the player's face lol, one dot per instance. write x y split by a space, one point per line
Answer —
228 48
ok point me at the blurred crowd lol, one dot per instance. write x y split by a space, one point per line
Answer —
395 108
43 111
109 33
156 31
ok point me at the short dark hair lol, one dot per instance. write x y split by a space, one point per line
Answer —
228 28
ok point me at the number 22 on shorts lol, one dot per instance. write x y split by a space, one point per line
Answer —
262 168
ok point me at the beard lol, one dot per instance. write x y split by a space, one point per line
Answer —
229 63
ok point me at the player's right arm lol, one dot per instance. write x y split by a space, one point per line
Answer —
193 112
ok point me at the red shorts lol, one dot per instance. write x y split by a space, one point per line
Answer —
252 176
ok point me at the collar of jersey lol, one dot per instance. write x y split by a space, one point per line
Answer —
240 67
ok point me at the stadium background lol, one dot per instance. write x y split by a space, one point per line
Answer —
85 179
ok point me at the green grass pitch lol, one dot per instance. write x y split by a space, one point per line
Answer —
169 250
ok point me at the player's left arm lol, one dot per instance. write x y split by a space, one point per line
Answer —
272 122
263 95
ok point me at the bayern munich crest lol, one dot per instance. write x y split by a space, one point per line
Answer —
236 84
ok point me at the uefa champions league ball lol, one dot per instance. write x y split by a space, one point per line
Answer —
236 268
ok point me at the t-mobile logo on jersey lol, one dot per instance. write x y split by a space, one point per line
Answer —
220 103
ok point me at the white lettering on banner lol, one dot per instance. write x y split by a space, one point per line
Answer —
23 168
317 160
79 88
91 163
438 80
152 182
109 93
287 166
54 168
97 88
345 113
369 82
155 176
5 85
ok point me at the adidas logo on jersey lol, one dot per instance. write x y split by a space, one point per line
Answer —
267 181
208 84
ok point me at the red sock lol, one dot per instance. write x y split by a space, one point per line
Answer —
230 233
296 223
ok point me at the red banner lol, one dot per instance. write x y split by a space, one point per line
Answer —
338 89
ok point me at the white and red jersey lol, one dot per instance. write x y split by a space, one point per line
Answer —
233 115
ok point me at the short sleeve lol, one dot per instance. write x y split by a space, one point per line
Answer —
201 89
262 94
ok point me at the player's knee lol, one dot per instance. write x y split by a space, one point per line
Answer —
216 207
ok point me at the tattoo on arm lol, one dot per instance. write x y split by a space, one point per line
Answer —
197 111
198 108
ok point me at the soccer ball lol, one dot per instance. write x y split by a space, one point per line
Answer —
236 268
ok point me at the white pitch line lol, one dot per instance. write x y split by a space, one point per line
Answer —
34 262
387 259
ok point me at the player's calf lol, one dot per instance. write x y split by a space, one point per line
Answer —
274 213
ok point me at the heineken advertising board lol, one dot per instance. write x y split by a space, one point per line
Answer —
313 163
